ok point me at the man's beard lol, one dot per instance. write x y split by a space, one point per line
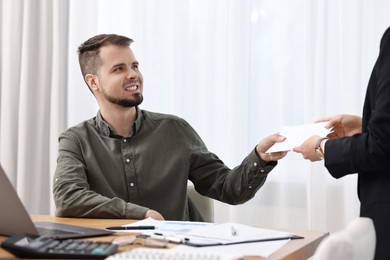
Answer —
137 99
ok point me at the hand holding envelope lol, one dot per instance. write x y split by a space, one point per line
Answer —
296 135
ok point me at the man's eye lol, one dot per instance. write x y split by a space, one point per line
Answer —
118 69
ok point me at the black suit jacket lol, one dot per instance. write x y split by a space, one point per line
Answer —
368 154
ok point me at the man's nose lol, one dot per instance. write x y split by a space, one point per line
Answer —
132 73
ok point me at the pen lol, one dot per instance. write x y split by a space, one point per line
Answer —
131 228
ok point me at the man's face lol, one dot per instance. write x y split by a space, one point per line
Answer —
119 80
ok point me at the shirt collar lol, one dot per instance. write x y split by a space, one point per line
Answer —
106 130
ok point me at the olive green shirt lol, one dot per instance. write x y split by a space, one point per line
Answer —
102 175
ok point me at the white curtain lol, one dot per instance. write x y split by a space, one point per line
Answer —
33 73
236 70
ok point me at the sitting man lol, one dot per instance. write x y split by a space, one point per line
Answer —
131 163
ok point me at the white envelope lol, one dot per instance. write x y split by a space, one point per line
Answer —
296 135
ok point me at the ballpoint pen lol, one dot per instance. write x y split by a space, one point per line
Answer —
131 228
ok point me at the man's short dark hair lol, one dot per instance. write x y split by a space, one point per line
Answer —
88 51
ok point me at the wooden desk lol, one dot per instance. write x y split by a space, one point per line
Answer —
298 249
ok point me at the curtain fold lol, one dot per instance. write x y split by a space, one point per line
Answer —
33 83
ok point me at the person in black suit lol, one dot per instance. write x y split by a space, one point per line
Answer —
362 145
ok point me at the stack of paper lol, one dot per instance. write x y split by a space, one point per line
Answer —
228 238
232 233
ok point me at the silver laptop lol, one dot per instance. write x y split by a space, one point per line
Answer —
14 218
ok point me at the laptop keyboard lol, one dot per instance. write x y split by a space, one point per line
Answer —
168 254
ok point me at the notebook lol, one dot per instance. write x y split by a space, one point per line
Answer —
14 218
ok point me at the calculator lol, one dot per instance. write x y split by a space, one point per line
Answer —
33 246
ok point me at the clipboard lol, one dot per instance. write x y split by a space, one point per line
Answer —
205 243
223 234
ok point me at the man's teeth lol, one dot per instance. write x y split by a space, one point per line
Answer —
132 88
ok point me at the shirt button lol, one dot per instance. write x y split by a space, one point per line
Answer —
131 184
124 140
250 187
127 160
261 170
255 164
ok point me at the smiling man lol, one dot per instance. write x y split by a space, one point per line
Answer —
132 163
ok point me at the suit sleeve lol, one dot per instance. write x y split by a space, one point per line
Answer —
369 151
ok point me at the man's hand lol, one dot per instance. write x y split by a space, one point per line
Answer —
266 143
343 125
308 149
154 214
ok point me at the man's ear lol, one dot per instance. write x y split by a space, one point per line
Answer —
91 81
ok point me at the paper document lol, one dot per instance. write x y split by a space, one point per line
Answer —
210 234
237 251
167 226
296 135
229 239
232 233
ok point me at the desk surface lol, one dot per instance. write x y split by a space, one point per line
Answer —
294 249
